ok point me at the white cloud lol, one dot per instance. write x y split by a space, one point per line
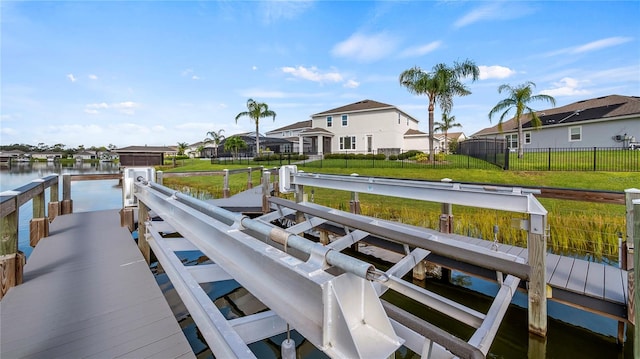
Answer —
495 72
126 107
567 86
351 84
71 78
601 44
313 74
93 77
194 77
421 50
254 67
494 11
276 10
366 48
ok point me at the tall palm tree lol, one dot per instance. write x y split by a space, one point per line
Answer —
234 144
216 138
518 100
444 126
440 85
256 111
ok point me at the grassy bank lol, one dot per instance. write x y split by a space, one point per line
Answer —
577 228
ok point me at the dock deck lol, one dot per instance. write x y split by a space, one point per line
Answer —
88 293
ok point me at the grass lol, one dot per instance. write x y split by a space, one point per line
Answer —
576 228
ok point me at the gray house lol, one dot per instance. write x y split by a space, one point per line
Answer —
608 121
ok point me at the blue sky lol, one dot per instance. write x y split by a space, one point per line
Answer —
126 73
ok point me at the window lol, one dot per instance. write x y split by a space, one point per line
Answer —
348 143
345 120
512 140
527 138
575 134
329 121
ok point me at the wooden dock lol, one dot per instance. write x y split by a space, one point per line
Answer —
88 292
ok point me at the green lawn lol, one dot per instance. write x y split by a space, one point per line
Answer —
579 228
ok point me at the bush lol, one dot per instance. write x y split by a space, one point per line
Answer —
354 156
280 157
422 157
408 154
393 157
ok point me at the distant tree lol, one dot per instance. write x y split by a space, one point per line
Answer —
256 111
182 146
234 144
200 149
215 138
111 147
444 126
519 99
440 85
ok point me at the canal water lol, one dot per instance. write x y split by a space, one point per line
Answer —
572 333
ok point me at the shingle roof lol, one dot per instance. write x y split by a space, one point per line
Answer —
604 107
147 149
414 132
357 106
294 126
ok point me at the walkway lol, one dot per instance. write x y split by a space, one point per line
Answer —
88 293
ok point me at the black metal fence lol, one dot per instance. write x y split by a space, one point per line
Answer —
611 159
492 150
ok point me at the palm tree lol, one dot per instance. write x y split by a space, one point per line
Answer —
519 99
440 85
182 146
234 144
216 138
444 126
256 111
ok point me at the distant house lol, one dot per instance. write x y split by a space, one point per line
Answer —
363 127
132 156
291 133
49 156
608 121
84 155
441 144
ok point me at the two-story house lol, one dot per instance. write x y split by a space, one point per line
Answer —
363 127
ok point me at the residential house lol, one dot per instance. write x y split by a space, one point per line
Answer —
442 143
291 133
608 121
144 155
49 156
363 127
84 155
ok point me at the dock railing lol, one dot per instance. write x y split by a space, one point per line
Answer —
225 173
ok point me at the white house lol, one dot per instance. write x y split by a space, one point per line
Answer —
292 133
608 121
364 127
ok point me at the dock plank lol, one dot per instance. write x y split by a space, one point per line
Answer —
614 286
595 280
100 298
578 277
560 276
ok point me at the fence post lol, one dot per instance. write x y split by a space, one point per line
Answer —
67 202
595 156
537 247
54 206
225 186
39 224
636 273
507 156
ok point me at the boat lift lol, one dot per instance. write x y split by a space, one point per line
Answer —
330 298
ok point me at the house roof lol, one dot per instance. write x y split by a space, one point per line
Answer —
605 108
294 126
412 132
147 149
357 106
316 131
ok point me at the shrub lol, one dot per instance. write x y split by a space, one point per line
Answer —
422 157
393 157
408 154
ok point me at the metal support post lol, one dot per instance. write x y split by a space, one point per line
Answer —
225 187
249 182
266 176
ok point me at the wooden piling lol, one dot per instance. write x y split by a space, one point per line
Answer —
127 218
143 245
266 177
249 179
537 246
225 187
636 273
67 203
53 208
39 224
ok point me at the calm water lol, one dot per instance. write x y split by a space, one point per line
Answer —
572 333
